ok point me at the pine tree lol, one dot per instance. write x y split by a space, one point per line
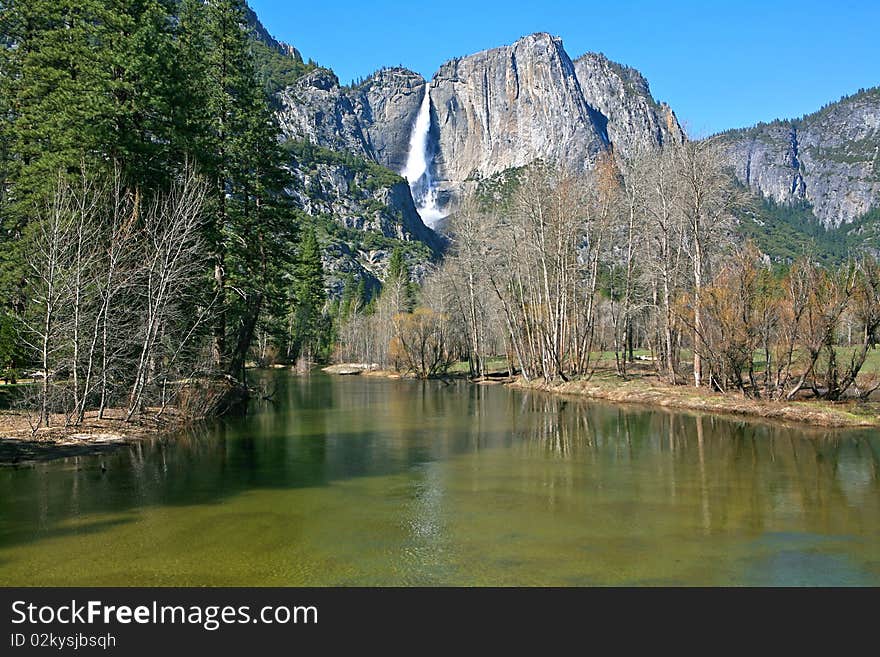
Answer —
86 81
143 87
190 86
144 93
350 303
228 127
362 297
398 289
82 83
59 93
309 325
11 350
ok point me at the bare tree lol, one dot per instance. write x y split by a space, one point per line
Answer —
120 248
421 342
630 226
706 200
172 251
466 273
546 275
48 255
664 253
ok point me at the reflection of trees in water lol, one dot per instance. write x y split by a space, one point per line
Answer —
733 473
718 472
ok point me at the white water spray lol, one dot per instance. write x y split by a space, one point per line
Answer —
418 166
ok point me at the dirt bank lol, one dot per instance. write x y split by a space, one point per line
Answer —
21 445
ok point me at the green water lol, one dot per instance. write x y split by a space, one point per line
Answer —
353 481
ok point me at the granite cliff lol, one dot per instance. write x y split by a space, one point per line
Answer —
505 107
508 106
630 116
334 139
829 159
491 111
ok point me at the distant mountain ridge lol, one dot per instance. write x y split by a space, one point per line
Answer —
260 32
363 210
373 119
634 118
829 159
505 107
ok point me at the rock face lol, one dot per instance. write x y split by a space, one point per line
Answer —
356 201
506 107
386 105
372 120
491 111
630 116
316 109
363 211
260 33
830 159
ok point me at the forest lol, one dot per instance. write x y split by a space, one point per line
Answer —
151 249
637 266
147 237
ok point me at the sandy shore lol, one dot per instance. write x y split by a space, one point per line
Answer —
20 444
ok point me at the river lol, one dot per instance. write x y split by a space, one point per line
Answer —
363 481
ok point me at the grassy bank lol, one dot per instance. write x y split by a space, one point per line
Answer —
644 387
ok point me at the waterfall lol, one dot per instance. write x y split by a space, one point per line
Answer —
418 165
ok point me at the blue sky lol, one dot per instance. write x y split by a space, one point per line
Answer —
719 64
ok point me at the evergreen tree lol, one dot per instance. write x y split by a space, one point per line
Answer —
81 82
310 328
228 126
190 86
60 93
11 350
362 297
398 289
144 91
86 80
142 87
349 304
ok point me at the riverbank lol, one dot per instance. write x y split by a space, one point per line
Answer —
197 400
496 375
20 444
647 390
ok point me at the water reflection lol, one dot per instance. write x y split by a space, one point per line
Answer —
374 481
738 470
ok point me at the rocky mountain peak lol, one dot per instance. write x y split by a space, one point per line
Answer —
490 111
315 108
508 106
630 115
321 79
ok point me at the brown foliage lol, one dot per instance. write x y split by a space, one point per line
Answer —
420 343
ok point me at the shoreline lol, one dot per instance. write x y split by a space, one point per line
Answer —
639 390
20 446
375 371
816 414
